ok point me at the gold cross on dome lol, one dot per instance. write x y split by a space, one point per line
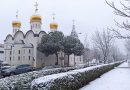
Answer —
17 13
53 16
36 5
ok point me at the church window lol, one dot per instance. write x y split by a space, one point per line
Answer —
10 53
19 51
29 57
10 58
18 57
29 51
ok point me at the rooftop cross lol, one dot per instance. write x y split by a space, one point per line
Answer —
53 16
36 5
17 14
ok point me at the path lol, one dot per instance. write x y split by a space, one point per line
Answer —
116 79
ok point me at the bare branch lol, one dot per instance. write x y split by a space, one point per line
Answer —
118 35
118 11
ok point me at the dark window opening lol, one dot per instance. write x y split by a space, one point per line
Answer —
29 57
29 51
19 51
18 57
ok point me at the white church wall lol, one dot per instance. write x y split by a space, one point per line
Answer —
16 55
7 56
75 60
29 38
18 36
27 56
43 60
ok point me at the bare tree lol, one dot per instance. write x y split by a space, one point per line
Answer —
115 53
127 45
86 55
103 41
124 11
87 51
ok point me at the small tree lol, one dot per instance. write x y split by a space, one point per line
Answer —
78 50
51 44
69 43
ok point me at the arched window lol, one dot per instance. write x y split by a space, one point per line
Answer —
29 57
19 51
10 58
29 51
10 52
18 57
36 25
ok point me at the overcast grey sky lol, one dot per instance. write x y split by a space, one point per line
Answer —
89 15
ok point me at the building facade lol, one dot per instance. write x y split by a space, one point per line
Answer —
1 52
21 48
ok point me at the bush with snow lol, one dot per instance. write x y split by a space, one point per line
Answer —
72 80
23 81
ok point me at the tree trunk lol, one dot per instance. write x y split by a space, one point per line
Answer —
56 59
74 60
104 60
68 59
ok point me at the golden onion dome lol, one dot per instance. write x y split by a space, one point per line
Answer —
53 26
16 24
35 18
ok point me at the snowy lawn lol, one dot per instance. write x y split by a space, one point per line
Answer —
116 79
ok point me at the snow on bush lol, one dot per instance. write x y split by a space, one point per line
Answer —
23 81
72 80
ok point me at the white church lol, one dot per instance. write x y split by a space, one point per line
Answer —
21 48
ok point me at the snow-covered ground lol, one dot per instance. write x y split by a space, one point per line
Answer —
116 79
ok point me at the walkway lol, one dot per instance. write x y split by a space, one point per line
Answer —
116 79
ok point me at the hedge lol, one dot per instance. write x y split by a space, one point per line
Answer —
23 81
72 80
